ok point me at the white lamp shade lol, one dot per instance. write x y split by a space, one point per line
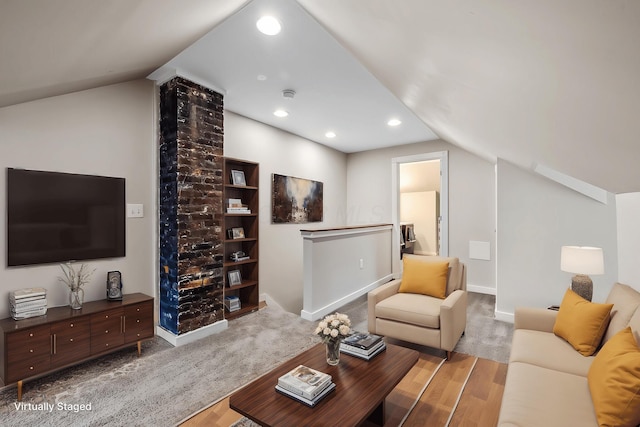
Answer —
582 260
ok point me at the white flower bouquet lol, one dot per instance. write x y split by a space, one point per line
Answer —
334 327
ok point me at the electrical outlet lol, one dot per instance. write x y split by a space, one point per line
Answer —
361 263
135 210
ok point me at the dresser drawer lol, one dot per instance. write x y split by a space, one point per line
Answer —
107 330
29 344
25 368
139 322
71 341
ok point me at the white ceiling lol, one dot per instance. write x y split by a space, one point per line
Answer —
533 82
334 92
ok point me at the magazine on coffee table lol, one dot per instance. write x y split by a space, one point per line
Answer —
304 381
362 340
356 352
309 402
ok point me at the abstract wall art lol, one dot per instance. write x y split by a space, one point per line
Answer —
295 200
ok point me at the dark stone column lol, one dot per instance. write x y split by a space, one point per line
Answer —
191 206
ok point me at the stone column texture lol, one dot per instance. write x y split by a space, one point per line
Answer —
191 206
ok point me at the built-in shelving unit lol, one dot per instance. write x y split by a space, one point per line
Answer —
241 234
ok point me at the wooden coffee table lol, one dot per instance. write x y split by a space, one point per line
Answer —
361 387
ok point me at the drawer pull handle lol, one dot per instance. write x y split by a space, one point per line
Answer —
138 334
137 309
31 350
106 317
138 321
106 345
31 368
106 332
71 326
71 339
31 334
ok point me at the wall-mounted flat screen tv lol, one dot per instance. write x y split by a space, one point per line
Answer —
60 217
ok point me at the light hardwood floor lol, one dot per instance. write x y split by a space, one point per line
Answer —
479 403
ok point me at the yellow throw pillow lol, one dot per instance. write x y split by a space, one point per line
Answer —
427 278
614 381
582 323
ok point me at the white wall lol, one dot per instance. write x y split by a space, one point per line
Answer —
536 217
286 154
342 264
105 131
471 200
628 216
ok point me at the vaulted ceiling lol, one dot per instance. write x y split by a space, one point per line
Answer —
551 83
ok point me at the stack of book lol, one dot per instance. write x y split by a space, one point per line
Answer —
27 303
363 345
236 206
305 385
232 303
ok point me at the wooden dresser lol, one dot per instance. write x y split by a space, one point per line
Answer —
64 337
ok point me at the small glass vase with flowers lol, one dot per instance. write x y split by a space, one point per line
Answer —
333 329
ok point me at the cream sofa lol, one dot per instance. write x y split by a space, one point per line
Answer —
546 381
422 319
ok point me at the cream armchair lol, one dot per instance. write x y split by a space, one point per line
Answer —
418 318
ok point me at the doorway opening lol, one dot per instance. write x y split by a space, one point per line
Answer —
420 200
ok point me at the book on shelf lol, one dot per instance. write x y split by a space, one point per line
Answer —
236 206
304 381
28 305
27 314
239 210
356 352
232 303
362 340
309 402
21 294
28 300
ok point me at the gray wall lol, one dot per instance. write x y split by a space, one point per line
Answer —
471 200
105 131
536 217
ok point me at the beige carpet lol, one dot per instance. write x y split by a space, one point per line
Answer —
166 384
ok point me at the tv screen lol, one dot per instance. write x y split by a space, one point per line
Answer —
60 217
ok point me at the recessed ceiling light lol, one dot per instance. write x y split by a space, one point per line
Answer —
280 113
268 25
262 77
394 122
330 134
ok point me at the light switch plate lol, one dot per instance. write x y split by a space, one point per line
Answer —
135 210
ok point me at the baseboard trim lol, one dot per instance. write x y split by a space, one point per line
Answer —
186 338
481 289
503 316
322 311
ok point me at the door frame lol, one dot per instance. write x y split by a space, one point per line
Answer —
443 156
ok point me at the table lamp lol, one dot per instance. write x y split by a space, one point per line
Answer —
582 260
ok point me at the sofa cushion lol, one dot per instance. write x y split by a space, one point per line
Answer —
626 301
614 381
416 309
581 323
422 277
535 396
548 351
